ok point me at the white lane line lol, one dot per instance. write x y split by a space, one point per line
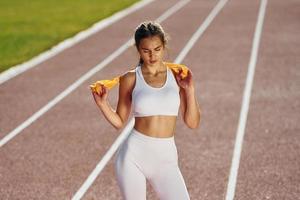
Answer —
86 76
245 105
201 29
109 154
18 69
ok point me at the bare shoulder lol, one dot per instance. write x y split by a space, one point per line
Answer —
127 80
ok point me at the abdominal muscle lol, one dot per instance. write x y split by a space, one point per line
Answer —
156 126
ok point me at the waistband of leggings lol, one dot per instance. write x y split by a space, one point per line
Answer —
144 137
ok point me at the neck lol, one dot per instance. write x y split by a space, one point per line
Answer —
154 69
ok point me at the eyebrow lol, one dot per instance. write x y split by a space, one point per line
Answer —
154 48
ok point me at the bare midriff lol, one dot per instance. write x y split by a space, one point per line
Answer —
160 126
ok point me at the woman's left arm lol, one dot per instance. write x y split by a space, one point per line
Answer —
188 101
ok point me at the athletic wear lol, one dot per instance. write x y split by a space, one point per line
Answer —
148 100
142 158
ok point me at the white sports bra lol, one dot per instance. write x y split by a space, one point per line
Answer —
149 101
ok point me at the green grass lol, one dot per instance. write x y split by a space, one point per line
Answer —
29 27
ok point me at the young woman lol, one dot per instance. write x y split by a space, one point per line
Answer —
155 93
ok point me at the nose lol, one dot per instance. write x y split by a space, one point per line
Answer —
151 54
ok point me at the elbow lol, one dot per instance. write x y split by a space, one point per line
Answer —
193 125
119 125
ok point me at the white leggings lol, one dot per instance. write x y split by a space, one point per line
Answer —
143 157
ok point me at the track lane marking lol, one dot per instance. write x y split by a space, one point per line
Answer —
123 135
245 105
18 69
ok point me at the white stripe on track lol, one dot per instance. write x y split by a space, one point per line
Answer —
86 76
201 29
245 106
108 155
18 69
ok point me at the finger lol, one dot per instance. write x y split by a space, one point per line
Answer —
191 75
105 89
95 94
101 90
178 77
180 70
188 74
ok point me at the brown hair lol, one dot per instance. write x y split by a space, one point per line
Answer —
149 29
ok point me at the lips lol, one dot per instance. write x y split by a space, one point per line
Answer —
153 61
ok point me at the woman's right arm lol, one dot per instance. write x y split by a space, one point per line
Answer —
119 117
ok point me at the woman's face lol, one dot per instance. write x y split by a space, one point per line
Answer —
151 50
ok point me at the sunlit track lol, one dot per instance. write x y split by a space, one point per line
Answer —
245 104
244 58
83 78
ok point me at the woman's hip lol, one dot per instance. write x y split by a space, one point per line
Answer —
151 149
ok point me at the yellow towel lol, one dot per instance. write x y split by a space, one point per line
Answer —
111 83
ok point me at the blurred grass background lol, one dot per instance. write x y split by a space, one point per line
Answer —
29 27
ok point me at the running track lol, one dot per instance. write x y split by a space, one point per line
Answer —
53 156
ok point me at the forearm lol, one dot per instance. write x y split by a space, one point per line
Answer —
111 115
192 114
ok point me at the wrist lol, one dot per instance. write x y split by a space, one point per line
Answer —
190 90
102 104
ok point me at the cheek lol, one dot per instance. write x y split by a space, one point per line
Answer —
144 55
160 54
